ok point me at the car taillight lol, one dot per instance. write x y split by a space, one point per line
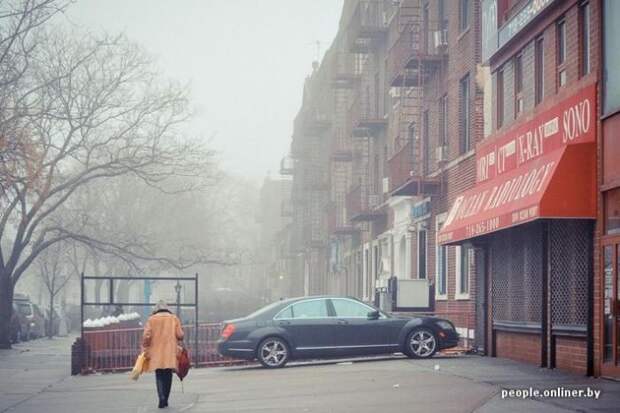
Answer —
228 331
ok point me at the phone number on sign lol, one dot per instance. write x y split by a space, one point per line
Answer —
482 227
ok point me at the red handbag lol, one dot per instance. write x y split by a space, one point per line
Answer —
183 363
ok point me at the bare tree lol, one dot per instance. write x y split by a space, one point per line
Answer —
54 275
100 113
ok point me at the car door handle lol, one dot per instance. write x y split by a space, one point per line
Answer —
343 322
284 323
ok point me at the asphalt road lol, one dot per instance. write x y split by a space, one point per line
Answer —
38 380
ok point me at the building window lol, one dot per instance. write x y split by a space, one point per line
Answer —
441 263
462 272
584 17
561 52
422 254
463 15
612 211
500 98
611 53
426 150
402 252
518 76
465 121
441 12
443 121
539 65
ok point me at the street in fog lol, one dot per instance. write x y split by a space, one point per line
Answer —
311 206
35 378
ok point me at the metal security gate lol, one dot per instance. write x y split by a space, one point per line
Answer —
116 346
570 282
541 283
516 268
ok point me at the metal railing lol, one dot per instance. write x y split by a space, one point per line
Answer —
416 41
401 165
365 111
370 17
113 349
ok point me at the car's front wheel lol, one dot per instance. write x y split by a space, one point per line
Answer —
421 343
273 352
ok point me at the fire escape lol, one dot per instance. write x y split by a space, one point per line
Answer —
362 119
419 50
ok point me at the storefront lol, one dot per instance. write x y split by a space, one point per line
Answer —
530 219
607 285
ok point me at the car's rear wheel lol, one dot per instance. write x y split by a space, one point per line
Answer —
273 352
421 343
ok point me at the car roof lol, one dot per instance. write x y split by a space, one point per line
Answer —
315 297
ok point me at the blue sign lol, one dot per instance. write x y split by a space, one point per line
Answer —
421 209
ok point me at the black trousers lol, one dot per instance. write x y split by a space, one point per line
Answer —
163 380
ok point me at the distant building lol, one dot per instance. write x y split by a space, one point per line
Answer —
273 278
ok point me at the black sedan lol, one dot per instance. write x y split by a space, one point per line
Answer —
322 327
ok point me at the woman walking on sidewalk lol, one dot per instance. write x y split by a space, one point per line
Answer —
160 345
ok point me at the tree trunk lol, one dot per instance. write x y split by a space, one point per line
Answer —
50 322
6 310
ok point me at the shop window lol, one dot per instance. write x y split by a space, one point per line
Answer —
422 254
441 263
608 293
518 77
612 211
465 121
403 258
611 53
462 272
539 64
561 52
584 20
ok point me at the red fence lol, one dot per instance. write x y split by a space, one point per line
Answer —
117 349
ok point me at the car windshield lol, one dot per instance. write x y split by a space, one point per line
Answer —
24 308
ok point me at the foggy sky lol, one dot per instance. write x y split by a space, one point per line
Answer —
245 61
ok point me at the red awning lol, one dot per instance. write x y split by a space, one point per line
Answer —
560 184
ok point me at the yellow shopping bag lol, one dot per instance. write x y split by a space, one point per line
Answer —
139 367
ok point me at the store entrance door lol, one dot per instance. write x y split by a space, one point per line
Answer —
611 308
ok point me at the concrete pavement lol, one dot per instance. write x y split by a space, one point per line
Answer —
38 381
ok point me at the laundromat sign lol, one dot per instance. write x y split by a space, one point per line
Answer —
572 121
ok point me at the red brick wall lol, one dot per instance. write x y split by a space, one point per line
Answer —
570 354
518 346
460 174
546 27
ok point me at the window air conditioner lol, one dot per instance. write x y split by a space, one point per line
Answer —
441 38
441 153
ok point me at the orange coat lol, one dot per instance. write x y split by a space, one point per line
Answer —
161 333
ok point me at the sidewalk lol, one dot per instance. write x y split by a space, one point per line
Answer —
31 367
508 374
35 377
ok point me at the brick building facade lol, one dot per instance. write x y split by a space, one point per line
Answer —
466 169
532 225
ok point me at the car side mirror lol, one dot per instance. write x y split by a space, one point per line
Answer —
373 315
